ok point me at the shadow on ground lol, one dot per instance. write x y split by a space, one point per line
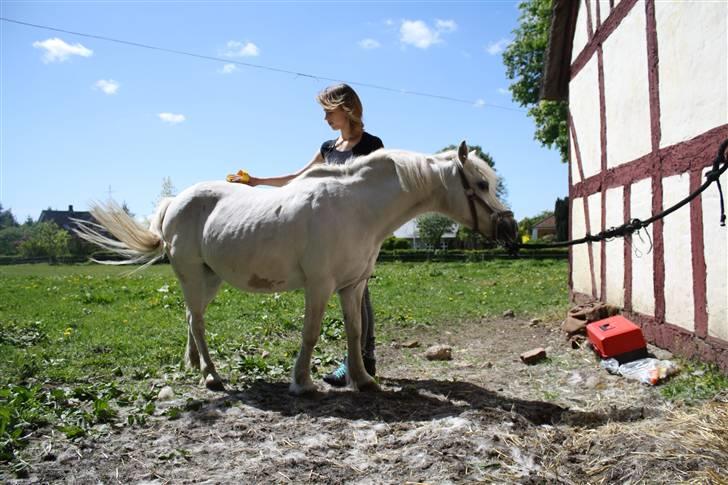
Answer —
415 400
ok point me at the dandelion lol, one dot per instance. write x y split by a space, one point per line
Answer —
67 332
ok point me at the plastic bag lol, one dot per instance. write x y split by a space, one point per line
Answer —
648 371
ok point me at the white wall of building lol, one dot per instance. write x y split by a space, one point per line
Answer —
595 223
584 109
581 277
643 285
581 33
626 90
715 240
679 296
692 71
614 249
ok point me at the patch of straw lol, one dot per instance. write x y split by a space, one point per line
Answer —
685 445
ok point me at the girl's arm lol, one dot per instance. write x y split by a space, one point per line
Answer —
284 179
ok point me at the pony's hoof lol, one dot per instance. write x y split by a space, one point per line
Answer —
214 383
302 389
370 386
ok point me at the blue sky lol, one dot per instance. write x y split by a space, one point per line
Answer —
82 117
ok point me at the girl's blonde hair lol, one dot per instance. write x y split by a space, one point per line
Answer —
344 97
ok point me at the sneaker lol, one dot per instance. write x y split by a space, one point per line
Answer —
337 377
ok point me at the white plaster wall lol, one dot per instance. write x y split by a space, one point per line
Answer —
614 250
581 34
691 44
679 296
626 90
595 222
584 108
715 240
580 275
643 291
573 164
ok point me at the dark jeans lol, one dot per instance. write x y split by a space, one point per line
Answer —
367 325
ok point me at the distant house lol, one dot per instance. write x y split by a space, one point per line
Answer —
409 231
63 218
545 227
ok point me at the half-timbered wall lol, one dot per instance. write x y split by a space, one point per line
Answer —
648 102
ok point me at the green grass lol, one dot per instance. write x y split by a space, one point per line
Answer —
80 341
695 382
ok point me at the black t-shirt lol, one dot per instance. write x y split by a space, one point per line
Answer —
366 145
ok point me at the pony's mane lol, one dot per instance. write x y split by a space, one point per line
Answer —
415 171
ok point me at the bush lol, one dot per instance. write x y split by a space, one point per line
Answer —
394 243
11 238
46 240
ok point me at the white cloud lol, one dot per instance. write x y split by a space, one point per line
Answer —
56 50
503 91
479 103
228 68
171 118
241 49
107 86
495 48
388 22
369 44
418 34
421 35
446 25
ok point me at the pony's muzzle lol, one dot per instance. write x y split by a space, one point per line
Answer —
505 228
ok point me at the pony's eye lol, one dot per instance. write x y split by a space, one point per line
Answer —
483 185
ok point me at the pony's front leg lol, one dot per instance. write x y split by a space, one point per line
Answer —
316 300
351 298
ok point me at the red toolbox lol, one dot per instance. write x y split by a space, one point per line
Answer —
617 337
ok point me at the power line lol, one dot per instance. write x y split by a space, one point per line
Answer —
453 99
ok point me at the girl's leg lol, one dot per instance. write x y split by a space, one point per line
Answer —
368 344
337 377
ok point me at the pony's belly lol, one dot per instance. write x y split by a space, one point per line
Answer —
261 281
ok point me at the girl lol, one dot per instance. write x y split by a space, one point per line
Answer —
343 112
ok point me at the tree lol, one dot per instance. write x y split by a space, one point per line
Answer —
469 238
126 209
561 211
168 190
10 239
46 239
524 61
432 226
7 219
500 189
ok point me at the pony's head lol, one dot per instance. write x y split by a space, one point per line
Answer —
479 206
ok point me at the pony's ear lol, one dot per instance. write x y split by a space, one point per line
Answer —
463 152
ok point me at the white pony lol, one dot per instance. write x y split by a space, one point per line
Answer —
320 232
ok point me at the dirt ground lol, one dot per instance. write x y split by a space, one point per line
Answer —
484 416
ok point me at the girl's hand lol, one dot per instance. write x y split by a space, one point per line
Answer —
242 177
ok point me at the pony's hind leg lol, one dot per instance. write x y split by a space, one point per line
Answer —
351 298
199 285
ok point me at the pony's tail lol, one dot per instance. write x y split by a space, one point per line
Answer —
131 240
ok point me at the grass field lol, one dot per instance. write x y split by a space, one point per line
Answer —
75 323
81 344
77 339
